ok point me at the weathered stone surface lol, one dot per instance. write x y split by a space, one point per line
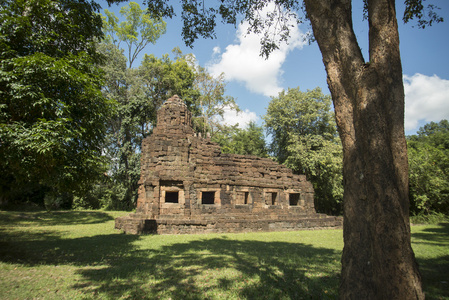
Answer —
188 186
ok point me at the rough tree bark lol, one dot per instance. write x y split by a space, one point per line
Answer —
378 261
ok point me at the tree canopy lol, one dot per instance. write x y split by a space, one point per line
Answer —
212 100
200 18
139 29
52 111
246 141
304 137
429 168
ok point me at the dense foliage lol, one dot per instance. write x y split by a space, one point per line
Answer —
247 141
304 137
136 32
52 111
429 169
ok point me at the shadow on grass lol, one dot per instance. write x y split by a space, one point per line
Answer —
43 218
434 235
227 268
435 270
200 267
435 277
119 265
50 248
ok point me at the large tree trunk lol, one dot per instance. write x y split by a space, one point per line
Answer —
378 261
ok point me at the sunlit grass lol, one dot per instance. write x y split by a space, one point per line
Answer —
79 255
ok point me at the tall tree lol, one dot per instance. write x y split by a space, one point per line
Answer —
164 78
52 112
368 95
139 29
126 126
304 137
378 261
134 110
212 100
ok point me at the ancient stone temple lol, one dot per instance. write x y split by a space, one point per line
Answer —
188 185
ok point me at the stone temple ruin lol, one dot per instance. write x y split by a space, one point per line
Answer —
188 185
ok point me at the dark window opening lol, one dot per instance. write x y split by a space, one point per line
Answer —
207 197
274 197
171 197
294 199
271 198
246 198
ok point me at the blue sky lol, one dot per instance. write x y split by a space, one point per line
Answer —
252 80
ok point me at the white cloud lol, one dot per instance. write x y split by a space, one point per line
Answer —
242 61
426 99
243 117
216 50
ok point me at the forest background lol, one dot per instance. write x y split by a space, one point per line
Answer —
76 103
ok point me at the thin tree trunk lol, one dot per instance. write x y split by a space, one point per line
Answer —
378 261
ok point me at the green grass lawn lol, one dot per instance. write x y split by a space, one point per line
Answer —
79 255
